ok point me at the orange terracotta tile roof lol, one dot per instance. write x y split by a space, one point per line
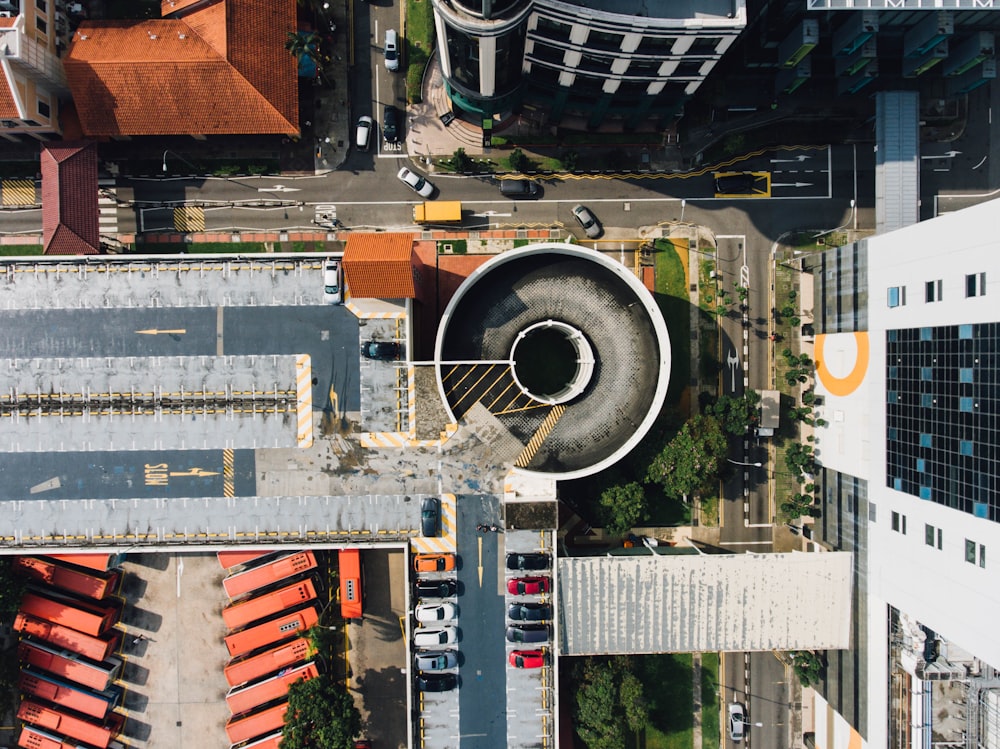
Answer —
8 103
380 266
216 69
69 199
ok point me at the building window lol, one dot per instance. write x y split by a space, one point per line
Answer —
704 45
897 296
932 291
43 109
872 512
41 25
899 523
928 534
982 555
553 29
975 284
656 45
688 69
939 535
604 40
41 5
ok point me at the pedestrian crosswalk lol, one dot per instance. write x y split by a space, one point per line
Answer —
107 207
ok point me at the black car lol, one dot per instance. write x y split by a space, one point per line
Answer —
390 124
735 183
435 588
430 516
381 350
527 561
529 612
528 633
436 682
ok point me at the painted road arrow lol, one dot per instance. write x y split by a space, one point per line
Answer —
196 472
800 158
945 155
480 540
157 331
278 188
791 184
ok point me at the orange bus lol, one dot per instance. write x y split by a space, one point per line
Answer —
239 557
87 617
99 562
72 696
245 699
241 614
246 727
268 742
248 669
70 666
81 729
270 632
92 584
36 738
350 583
254 578
95 648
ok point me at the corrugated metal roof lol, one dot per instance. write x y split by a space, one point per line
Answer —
380 266
897 160
704 603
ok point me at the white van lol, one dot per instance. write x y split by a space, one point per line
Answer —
364 134
391 50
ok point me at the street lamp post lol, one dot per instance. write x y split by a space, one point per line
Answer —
683 204
741 463
179 157
854 208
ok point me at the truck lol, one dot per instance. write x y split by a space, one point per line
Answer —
770 402
438 212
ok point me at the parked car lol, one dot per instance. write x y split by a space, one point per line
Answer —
331 282
437 660
529 612
433 562
528 561
390 124
522 586
591 226
528 633
391 50
420 185
519 188
527 658
735 183
737 721
430 516
362 744
435 588
380 350
433 637
435 612
363 135
437 682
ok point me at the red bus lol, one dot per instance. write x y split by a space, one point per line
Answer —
270 632
244 728
268 742
350 583
96 585
95 648
70 666
266 574
248 669
243 613
90 618
72 696
81 729
239 557
99 562
36 738
245 699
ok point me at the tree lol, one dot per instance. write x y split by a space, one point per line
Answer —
461 161
623 506
736 414
321 715
808 666
692 458
608 702
518 161
303 45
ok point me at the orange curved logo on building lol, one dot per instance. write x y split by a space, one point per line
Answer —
841 386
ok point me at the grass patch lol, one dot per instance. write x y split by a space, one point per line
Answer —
709 511
458 246
419 35
667 686
199 248
675 304
522 242
20 249
710 730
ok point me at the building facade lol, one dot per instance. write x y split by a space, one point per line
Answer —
908 356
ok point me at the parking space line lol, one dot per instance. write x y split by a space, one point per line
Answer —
303 383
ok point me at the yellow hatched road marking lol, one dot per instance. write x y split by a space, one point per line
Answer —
17 192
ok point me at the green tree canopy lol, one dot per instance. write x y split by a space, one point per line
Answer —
608 703
623 506
736 414
692 458
321 715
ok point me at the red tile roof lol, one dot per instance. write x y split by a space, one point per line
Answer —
8 104
69 199
216 69
380 266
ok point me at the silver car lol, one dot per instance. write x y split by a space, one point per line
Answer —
332 291
591 226
438 660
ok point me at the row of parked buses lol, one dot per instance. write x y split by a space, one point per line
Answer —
68 639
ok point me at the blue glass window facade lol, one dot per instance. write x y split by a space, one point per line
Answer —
943 412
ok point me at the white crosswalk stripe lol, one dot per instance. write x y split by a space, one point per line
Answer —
107 207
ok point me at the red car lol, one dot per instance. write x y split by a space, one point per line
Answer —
521 586
527 658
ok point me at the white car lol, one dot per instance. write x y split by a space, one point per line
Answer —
332 291
591 226
391 50
435 612
363 137
432 638
415 182
737 720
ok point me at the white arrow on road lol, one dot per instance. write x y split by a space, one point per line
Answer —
945 155
487 214
791 184
733 361
800 158
278 188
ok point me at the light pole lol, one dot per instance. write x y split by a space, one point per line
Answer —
179 157
741 463
683 204
842 226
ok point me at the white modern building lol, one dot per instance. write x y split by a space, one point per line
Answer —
908 367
